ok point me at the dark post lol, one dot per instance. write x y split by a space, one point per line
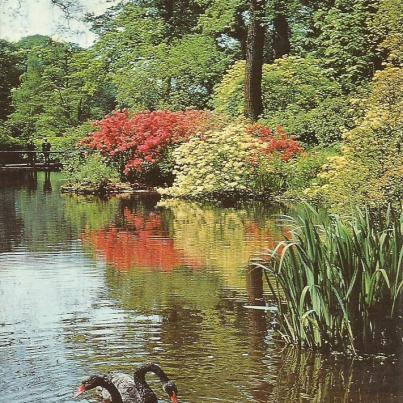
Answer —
254 286
47 184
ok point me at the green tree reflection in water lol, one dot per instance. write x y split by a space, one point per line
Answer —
10 224
90 212
51 220
41 209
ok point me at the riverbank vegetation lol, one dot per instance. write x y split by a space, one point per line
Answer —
337 283
158 84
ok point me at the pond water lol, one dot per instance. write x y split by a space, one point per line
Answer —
89 286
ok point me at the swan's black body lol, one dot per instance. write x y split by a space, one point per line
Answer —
121 388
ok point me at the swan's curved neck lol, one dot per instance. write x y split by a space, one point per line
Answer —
113 391
156 369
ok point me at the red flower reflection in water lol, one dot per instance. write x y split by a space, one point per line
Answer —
143 245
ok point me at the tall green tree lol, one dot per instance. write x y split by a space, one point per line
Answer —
152 61
51 97
346 42
10 70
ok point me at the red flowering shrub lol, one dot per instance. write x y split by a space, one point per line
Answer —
143 139
276 142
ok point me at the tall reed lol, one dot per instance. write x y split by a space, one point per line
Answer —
338 283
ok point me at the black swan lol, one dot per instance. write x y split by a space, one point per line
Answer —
121 388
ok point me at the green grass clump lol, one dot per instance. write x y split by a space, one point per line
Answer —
92 172
337 282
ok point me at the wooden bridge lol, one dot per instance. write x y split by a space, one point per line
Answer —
23 160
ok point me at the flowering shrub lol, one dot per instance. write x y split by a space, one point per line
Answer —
206 155
235 160
142 141
217 161
275 142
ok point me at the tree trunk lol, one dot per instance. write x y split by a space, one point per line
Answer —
168 14
281 41
254 61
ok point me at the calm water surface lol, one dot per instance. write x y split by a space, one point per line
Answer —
88 286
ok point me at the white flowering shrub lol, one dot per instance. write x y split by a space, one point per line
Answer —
216 162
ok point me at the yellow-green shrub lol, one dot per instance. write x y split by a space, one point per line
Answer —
370 169
228 95
387 26
301 172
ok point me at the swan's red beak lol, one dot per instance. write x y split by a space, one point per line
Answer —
173 398
80 391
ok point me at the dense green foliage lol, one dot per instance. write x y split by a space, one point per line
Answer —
346 42
72 141
297 94
92 172
370 169
292 82
301 172
141 45
50 99
324 124
335 281
8 142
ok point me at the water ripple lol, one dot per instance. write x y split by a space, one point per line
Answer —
89 286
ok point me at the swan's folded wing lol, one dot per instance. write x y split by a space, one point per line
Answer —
123 382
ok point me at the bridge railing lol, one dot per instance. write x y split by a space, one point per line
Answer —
33 157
